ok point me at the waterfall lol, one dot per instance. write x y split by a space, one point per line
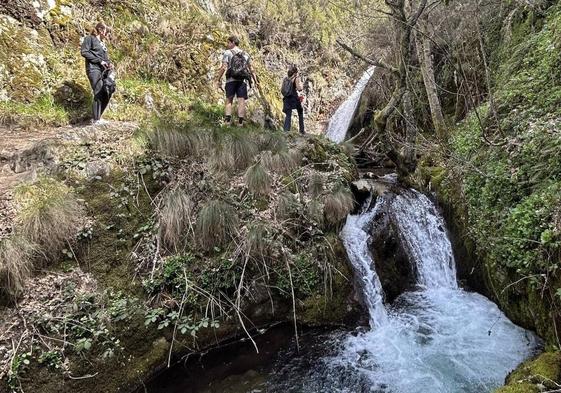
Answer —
422 231
438 338
343 116
355 236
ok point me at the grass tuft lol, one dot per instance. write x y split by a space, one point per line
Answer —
315 184
175 219
258 180
216 224
49 215
272 141
338 205
283 162
233 151
258 241
16 265
176 143
315 212
287 206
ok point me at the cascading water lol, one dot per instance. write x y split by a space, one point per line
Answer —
438 338
355 236
343 116
423 233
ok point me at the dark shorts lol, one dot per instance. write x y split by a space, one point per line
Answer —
236 88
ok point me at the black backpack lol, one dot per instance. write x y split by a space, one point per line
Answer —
287 87
238 67
109 84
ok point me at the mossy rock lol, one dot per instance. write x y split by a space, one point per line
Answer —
519 388
544 369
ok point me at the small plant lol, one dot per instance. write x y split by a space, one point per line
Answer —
20 364
216 224
338 205
51 359
258 180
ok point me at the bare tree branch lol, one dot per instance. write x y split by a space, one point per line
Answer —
377 63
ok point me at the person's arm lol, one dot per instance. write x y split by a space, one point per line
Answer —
298 81
253 74
220 73
86 51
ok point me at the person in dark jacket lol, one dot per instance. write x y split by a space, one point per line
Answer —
293 100
98 66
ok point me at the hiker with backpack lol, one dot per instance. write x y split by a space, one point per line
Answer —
291 86
98 69
236 65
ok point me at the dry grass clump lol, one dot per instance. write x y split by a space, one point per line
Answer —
287 206
315 184
49 215
258 241
258 180
177 143
338 205
216 224
283 162
272 141
175 219
16 265
233 151
315 212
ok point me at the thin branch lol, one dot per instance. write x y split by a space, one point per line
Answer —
377 63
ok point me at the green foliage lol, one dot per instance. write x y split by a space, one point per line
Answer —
18 367
51 359
530 66
305 273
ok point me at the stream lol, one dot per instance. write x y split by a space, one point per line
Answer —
436 337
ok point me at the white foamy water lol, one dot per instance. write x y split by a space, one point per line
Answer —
438 340
343 116
423 233
355 237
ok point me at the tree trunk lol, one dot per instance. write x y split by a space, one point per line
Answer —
410 128
427 70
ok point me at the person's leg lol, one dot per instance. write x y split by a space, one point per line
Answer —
301 119
287 120
96 109
241 110
104 102
241 93
94 76
230 93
